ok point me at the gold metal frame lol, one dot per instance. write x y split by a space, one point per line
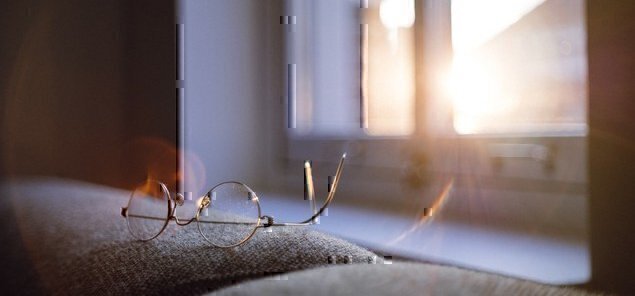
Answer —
124 212
206 201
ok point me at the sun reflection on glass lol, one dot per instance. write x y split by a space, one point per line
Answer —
518 66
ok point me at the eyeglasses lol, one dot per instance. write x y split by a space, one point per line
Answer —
227 216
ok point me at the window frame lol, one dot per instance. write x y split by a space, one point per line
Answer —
413 165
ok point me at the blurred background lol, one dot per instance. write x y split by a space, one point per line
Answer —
488 134
83 88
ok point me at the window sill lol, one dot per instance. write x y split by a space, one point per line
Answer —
542 259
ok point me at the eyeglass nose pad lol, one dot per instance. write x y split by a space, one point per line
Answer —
179 199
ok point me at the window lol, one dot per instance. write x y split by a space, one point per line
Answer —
518 67
339 45
491 90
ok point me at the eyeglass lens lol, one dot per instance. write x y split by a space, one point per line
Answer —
232 216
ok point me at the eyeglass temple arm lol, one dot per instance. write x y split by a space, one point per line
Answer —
309 187
183 223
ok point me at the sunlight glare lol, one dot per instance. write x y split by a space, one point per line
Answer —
476 22
397 13
476 89
476 95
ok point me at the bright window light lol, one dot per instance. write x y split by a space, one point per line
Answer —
397 13
519 66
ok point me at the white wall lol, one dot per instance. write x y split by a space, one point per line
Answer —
225 125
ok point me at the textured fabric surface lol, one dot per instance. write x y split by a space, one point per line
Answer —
79 244
392 279
17 274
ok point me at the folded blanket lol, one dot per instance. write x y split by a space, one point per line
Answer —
69 238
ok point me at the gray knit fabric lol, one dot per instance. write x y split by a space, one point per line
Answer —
79 244
392 279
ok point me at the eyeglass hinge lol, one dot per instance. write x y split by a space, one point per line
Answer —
268 221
